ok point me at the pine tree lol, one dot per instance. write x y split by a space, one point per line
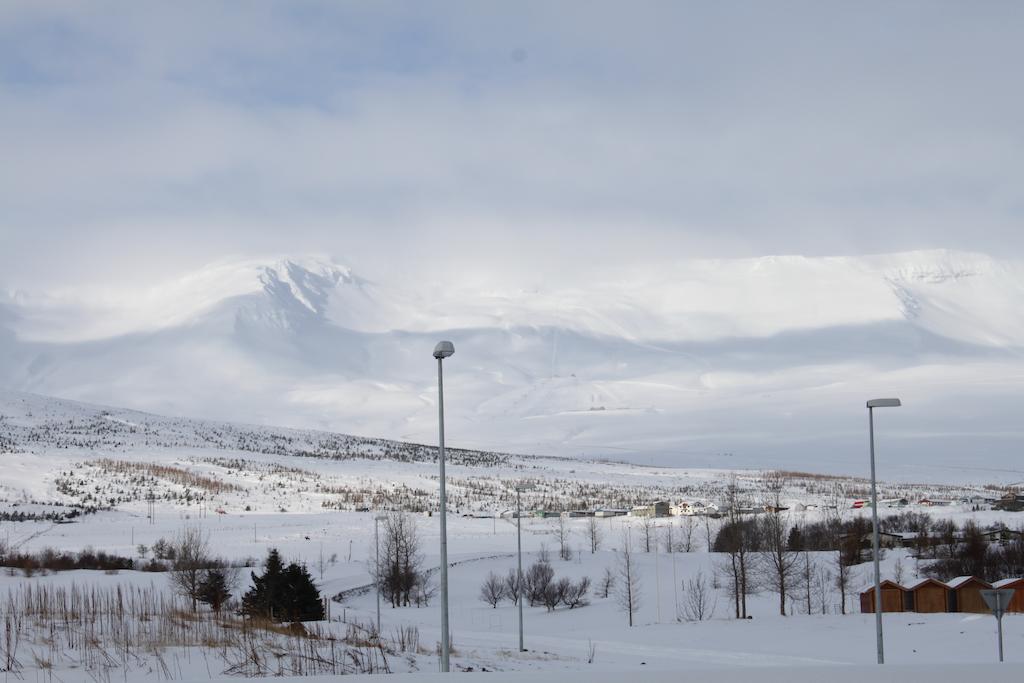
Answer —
304 603
283 593
262 598
213 590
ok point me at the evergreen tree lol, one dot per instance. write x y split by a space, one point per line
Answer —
795 542
213 590
303 598
283 593
262 598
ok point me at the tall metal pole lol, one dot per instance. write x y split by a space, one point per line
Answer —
999 621
519 554
444 528
874 540
376 571
657 571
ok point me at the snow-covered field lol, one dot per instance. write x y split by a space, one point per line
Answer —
252 488
586 638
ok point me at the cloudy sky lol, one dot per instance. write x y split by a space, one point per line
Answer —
139 139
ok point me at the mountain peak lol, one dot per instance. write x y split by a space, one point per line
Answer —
305 282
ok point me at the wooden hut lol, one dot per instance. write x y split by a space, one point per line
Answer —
927 595
965 595
892 598
1017 602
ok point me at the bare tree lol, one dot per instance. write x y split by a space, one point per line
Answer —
536 581
564 550
669 537
543 555
780 561
898 572
699 600
628 584
737 539
575 594
400 575
688 532
554 592
594 534
808 568
192 560
512 585
823 586
835 511
647 528
493 590
607 583
709 533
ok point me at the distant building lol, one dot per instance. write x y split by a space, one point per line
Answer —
885 539
684 509
610 512
1011 502
1002 535
656 509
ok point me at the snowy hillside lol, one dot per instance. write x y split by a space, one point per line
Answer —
758 363
80 478
60 455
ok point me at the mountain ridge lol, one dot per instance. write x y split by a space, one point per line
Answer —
704 357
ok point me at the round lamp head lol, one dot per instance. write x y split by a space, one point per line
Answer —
444 349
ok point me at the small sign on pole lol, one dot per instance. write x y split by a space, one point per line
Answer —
998 600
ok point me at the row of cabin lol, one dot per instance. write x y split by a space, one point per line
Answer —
962 594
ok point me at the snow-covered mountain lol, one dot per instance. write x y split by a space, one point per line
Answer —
748 362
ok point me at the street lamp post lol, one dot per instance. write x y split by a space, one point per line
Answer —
872 404
441 351
519 554
376 542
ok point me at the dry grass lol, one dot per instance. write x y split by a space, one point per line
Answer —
176 475
128 629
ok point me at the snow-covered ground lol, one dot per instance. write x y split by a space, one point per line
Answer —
249 489
593 637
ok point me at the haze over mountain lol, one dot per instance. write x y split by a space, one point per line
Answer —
762 362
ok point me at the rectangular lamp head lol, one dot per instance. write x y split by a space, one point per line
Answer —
884 403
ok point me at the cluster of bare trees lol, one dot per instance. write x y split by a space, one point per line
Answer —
197 575
970 554
539 587
399 573
768 552
698 600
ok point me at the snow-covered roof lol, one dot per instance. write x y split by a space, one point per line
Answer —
961 580
886 583
920 582
1002 583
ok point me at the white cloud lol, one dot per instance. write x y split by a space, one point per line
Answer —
139 139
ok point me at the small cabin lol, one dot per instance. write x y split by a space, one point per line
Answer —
892 598
926 596
1017 601
965 595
